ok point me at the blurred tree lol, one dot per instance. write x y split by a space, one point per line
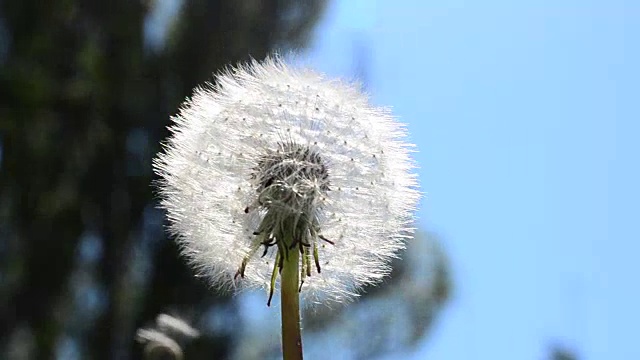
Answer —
561 353
84 104
86 91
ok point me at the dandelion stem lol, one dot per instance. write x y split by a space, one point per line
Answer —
290 308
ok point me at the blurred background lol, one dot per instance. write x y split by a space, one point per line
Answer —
523 113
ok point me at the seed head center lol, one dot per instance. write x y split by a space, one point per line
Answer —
293 176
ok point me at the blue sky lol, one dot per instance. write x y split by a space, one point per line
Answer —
526 117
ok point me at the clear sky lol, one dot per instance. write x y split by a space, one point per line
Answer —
527 118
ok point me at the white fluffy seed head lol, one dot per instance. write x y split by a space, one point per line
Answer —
269 139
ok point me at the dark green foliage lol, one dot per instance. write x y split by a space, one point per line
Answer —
84 102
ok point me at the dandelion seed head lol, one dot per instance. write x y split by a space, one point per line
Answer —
268 145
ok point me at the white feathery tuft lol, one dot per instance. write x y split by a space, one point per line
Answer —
270 141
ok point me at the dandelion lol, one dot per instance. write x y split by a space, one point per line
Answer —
278 178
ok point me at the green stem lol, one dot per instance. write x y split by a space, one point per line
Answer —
290 307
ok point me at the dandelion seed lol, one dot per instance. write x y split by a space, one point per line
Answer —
272 161
167 338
